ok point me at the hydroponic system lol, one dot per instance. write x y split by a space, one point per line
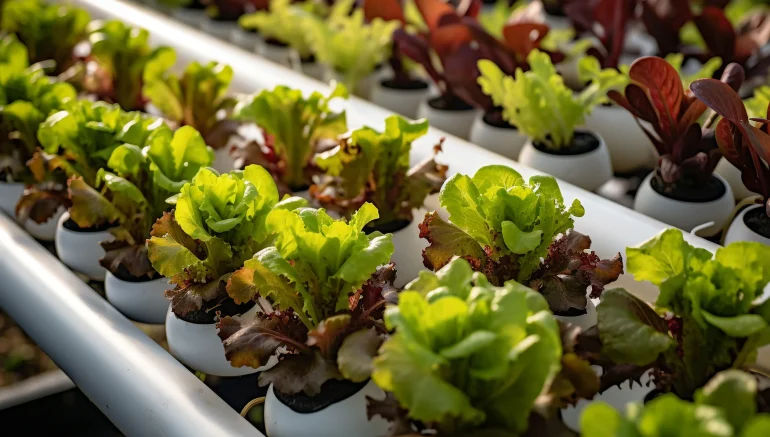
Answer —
392 218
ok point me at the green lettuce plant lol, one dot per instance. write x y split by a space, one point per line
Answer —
120 58
49 31
466 355
326 282
757 104
708 318
725 407
538 102
198 98
218 222
706 70
13 56
294 124
285 22
350 46
27 97
77 142
132 194
373 166
510 229
493 20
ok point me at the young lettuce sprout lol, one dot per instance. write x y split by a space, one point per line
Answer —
198 98
725 407
372 166
295 125
27 97
486 352
219 221
509 229
710 319
120 58
284 22
49 31
538 102
326 281
13 57
132 194
349 45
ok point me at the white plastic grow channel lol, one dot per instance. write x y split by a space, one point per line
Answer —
133 381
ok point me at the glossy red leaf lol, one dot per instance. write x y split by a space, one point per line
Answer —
664 88
522 38
717 32
640 102
726 141
385 9
720 97
432 11
447 39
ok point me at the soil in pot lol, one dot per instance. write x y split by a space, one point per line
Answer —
582 143
70 225
208 312
275 43
449 103
124 275
758 221
410 85
388 228
701 192
572 312
332 392
495 119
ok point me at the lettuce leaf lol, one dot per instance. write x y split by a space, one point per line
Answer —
13 56
481 354
513 222
296 123
132 196
373 166
121 56
49 31
351 46
537 102
714 321
725 407
194 99
219 222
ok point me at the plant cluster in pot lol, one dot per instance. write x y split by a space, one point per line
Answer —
50 32
372 166
27 97
539 104
706 317
197 98
496 357
295 128
509 229
682 191
326 282
189 12
218 222
747 147
731 404
79 141
448 51
520 35
283 29
222 17
132 196
352 49
120 58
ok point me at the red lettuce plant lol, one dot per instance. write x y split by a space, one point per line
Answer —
688 153
663 20
225 10
607 20
390 10
746 146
